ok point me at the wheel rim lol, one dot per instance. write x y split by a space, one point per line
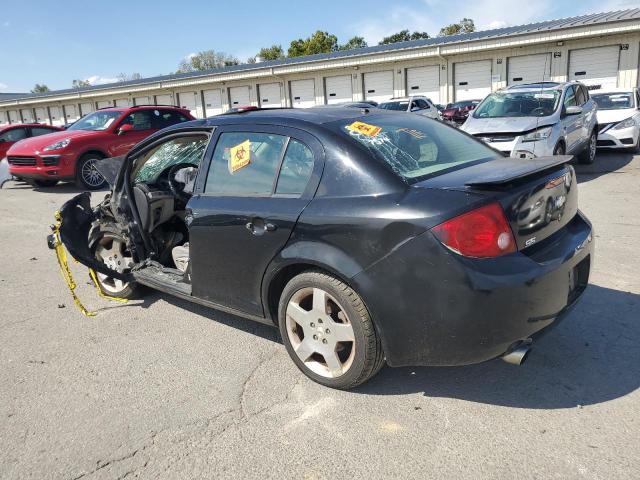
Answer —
592 147
90 174
113 253
320 332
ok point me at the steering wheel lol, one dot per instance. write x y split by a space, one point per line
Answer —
177 188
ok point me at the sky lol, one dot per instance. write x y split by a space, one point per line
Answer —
53 42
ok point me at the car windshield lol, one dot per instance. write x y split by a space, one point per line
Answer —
613 101
401 105
415 147
97 121
519 104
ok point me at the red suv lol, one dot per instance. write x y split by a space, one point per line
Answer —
71 154
10 134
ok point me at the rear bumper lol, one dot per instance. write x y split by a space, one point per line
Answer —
432 307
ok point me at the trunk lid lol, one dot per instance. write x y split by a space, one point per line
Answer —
539 196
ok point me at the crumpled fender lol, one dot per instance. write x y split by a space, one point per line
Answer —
76 217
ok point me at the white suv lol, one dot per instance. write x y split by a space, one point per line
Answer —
536 120
415 104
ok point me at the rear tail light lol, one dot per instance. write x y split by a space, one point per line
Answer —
481 233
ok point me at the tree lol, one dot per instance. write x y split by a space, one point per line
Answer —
403 36
319 42
80 83
40 88
207 60
123 77
352 43
465 25
274 52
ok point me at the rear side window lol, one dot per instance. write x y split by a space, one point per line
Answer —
13 135
245 163
37 131
166 118
296 169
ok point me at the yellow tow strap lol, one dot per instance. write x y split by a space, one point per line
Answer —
61 255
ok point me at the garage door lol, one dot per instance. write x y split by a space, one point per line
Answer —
164 99
105 104
41 115
13 116
212 102
86 108
595 66
189 100
4 119
56 116
424 81
122 102
239 97
269 95
378 86
27 115
529 69
70 113
142 101
303 93
472 80
338 89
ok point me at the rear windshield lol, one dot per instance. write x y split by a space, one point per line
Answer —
613 101
413 146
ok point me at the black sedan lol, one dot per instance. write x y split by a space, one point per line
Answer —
365 236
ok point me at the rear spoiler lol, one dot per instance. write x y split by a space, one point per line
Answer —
508 169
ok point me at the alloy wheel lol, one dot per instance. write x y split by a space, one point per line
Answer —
592 147
113 253
320 332
90 174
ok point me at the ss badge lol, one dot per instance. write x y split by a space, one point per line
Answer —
530 242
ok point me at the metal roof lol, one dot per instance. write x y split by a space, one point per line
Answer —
538 27
12 96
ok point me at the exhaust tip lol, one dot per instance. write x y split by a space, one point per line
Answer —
518 355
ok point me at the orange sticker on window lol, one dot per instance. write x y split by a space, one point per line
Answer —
239 156
364 128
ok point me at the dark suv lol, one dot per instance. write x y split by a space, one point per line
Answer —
71 154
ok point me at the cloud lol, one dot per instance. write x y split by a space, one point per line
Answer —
98 80
435 14
3 86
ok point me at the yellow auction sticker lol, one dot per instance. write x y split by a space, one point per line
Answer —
239 156
364 128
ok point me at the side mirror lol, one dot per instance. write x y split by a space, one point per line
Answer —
127 127
573 110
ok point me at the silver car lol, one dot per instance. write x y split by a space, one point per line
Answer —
415 104
536 120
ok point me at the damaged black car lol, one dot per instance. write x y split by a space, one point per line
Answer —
366 237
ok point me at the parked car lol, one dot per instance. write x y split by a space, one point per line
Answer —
71 154
538 119
10 134
364 236
456 113
415 104
618 118
364 104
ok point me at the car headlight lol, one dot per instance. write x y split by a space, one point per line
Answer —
629 122
58 145
540 134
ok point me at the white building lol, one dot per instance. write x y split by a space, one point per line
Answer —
597 49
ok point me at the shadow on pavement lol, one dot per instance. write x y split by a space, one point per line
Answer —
63 187
606 161
592 357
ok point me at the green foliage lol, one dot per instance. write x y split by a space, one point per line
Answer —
465 25
274 52
319 42
206 60
352 43
403 36
40 88
80 83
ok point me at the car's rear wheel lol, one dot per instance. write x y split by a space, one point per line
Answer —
111 249
328 332
588 155
87 175
44 183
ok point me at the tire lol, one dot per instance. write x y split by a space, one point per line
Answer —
44 183
102 241
340 349
559 149
588 155
87 177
